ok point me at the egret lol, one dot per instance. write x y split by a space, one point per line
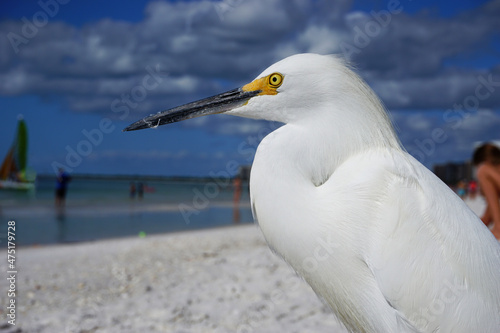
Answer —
377 236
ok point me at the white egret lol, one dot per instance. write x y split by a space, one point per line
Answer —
382 240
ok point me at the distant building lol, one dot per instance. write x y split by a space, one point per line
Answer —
452 173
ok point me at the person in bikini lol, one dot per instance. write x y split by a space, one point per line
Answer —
487 160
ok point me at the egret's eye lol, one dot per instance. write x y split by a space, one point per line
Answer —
275 80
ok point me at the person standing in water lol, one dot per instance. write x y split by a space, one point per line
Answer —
132 190
62 180
140 190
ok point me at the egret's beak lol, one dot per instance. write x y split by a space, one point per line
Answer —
211 105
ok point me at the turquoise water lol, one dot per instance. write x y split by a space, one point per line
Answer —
102 208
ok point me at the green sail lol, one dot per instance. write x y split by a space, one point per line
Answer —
21 146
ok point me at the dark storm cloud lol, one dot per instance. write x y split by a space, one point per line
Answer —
200 48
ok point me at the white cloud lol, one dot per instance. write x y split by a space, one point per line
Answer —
321 39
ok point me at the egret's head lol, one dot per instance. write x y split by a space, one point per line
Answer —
289 90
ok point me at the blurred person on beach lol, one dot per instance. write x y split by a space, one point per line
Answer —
461 189
487 160
132 190
62 180
140 190
236 199
472 189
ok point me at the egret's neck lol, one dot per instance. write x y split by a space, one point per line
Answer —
317 146
292 162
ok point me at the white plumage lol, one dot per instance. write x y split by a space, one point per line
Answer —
381 239
376 234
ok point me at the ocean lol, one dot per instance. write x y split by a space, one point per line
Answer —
99 208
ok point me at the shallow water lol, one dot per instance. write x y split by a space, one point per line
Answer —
102 208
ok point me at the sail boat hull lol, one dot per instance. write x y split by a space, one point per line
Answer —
13 185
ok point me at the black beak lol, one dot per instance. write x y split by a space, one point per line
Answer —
211 105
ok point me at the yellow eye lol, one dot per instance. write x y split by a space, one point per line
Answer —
275 80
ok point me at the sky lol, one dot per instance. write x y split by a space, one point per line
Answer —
81 71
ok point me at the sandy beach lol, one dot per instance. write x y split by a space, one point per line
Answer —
217 280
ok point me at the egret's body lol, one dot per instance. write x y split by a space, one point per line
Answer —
383 241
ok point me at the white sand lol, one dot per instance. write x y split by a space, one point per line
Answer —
219 280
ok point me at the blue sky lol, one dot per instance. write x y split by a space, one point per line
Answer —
91 68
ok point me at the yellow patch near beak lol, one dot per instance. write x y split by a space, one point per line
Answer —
267 84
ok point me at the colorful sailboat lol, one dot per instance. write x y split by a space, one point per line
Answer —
14 173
